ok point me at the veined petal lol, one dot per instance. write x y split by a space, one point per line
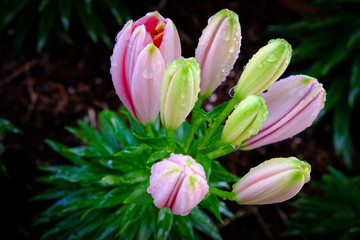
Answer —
179 183
218 50
117 69
139 39
293 104
272 181
170 46
145 88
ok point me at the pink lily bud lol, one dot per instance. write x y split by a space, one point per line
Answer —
272 181
142 52
218 49
179 183
293 104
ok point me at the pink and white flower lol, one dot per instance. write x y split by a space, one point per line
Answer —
293 104
272 181
179 183
143 50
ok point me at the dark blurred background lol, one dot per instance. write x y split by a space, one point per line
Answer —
54 70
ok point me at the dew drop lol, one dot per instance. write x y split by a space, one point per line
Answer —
232 92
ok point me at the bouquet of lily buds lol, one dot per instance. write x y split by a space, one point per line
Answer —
145 175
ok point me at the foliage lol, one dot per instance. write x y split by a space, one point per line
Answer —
335 215
50 15
103 194
328 46
5 126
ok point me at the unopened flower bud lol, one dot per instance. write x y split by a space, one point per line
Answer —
179 183
218 49
264 68
179 91
142 51
245 120
273 181
293 104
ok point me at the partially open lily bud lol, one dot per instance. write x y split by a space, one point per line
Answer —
218 49
293 104
264 68
245 120
179 91
142 51
179 183
273 181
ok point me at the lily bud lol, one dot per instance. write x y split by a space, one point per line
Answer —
264 68
273 181
293 104
179 91
245 120
142 51
179 183
218 49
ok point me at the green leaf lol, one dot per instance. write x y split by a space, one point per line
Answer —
128 159
65 13
215 112
130 218
205 161
46 22
86 20
90 136
334 93
159 155
147 225
354 84
164 223
204 224
342 137
157 143
117 9
127 178
220 174
43 4
66 152
84 175
7 126
9 10
183 228
113 128
212 204
140 195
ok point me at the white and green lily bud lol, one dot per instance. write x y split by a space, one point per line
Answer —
179 91
245 120
264 68
272 181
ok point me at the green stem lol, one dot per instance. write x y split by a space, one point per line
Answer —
149 131
225 195
221 152
212 128
171 138
195 121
